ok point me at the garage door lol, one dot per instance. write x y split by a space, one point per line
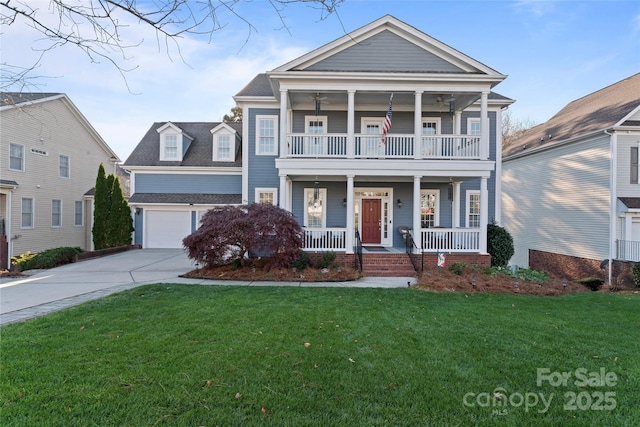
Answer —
166 229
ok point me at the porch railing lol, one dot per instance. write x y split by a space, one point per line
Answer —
628 250
450 240
394 146
325 239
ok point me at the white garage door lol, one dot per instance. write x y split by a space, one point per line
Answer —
166 229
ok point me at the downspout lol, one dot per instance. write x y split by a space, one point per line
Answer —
613 151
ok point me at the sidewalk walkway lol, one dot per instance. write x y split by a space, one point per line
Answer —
53 290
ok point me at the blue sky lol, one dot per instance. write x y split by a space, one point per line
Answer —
552 51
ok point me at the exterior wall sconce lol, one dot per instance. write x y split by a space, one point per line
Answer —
138 210
399 203
344 202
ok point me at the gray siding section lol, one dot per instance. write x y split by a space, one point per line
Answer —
558 201
184 183
385 51
262 169
137 224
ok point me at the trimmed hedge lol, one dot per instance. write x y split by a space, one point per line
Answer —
49 259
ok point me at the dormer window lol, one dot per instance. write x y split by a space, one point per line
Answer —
224 143
170 149
174 143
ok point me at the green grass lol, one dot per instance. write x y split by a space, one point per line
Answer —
180 355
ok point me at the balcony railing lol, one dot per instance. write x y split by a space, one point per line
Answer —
450 239
325 239
394 146
628 250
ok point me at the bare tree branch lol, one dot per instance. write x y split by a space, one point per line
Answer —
95 26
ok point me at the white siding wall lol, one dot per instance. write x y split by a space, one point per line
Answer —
558 201
52 127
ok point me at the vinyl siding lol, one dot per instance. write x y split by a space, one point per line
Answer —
558 201
399 55
52 127
188 183
623 172
262 169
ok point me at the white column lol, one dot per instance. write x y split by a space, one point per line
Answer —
456 204
417 233
484 126
484 215
417 125
351 120
283 123
350 217
283 193
457 125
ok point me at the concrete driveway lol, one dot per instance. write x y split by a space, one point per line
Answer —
75 283
46 291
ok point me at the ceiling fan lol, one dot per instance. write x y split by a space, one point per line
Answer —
440 100
317 99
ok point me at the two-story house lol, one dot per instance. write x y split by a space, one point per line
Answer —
571 193
382 131
50 159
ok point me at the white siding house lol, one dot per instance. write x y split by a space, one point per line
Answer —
570 185
49 159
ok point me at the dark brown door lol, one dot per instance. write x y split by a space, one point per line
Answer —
371 211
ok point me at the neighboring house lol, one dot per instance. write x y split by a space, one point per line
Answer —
571 195
50 158
312 141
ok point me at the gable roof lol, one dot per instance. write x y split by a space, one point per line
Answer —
200 152
598 111
9 99
380 41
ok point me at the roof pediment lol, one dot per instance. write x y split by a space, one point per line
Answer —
387 45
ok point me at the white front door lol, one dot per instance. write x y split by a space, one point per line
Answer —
372 145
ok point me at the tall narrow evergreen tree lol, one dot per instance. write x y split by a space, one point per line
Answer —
112 222
100 210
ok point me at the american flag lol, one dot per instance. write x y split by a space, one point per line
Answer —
387 121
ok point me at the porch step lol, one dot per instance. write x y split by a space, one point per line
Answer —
387 265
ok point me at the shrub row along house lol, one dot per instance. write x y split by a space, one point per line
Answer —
571 193
50 158
379 132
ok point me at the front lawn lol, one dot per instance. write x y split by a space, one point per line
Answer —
183 355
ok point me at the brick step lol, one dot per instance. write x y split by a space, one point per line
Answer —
387 265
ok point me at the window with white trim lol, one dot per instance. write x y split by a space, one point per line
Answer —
169 150
316 125
78 213
267 195
634 165
223 147
473 126
429 206
56 213
26 220
63 166
266 135
315 215
16 157
430 125
473 209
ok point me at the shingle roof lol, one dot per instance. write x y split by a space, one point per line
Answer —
200 152
180 198
15 98
597 111
259 86
631 202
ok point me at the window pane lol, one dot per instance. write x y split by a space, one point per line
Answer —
16 157
27 213
427 210
266 138
64 166
474 127
56 213
224 147
314 210
171 146
78 215
474 211
266 197
429 128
